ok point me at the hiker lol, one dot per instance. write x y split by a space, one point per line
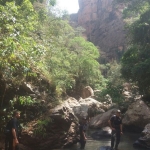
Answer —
12 129
82 130
115 124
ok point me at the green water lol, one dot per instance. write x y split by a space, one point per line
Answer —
126 143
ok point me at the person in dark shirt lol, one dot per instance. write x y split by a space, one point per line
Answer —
82 130
14 131
115 124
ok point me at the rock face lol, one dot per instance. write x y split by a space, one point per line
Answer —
104 26
144 140
137 116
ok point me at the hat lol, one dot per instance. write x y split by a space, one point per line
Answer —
118 111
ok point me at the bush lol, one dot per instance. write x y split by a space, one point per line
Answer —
115 93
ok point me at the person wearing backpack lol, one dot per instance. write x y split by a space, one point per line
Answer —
12 132
115 124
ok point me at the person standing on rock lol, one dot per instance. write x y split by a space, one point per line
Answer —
82 130
115 124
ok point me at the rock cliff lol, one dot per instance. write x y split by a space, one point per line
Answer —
104 26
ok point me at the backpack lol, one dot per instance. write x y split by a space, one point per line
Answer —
112 123
7 131
8 127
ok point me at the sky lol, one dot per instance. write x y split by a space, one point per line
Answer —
70 5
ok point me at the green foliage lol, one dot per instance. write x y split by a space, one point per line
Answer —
26 100
135 7
17 47
52 2
41 126
34 42
114 91
114 83
17 2
136 61
112 72
71 60
136 66
85 66
140 30
21 101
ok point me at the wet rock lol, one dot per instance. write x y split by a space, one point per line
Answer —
105 148
138 144
102 133
144 140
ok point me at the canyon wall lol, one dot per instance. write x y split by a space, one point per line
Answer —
104 26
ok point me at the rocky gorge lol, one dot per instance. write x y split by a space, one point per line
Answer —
57 127
104 26
61 131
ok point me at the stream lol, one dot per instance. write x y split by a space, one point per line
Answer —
126 143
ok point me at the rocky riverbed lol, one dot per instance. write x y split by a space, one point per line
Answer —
126 143
62 128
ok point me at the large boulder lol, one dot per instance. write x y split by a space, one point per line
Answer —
101 120
67 133
144 140
61 131
87 92
137 116
84 107
90 107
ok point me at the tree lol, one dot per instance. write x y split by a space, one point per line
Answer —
136 61
86 68
18 50
38 42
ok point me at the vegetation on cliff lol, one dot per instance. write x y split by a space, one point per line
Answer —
40 49
136 61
